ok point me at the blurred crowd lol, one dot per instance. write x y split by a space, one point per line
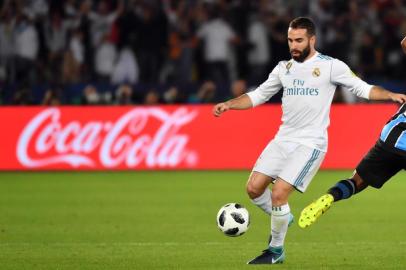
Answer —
177 51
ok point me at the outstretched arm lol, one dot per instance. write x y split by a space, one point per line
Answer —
246 101
242 102
379 93
341 74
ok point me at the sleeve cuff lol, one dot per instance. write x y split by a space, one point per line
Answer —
368 91
255 100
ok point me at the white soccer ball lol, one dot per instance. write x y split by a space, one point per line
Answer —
233 219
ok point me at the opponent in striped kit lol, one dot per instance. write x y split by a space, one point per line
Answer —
385 159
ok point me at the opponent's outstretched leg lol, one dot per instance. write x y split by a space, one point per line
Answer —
343 189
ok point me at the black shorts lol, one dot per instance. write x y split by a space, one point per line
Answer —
379 165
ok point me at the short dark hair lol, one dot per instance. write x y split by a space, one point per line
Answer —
304 23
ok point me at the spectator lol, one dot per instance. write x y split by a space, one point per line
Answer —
238 15
173 96
124 95
105 59
126 69
22 95
56 32
368 56
338 38
7 46
91 96
152 41
184 42
259 53
152 97
216 35
278 36
205 94
26 49
52 98
102 20
181 48
238 88
320 11
70 9
77 48
74 58
36 8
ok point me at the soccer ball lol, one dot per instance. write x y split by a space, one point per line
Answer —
233 219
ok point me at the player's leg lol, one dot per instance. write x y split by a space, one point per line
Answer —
260 194
297 173
265 171
280 212
377 167
344 189
280 220
258 191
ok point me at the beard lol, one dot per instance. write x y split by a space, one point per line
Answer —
302 54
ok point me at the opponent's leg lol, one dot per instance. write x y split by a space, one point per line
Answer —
343 189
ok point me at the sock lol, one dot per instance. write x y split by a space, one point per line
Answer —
264 201
279 224
343 189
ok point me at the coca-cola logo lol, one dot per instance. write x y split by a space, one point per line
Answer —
127 141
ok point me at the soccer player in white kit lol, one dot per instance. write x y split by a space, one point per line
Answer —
293 157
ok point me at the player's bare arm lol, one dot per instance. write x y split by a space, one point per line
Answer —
403 44
242 102
378 93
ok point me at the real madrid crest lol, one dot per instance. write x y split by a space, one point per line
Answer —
288 66
316 72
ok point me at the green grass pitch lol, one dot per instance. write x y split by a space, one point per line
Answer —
166 220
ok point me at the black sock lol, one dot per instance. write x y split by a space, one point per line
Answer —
343 189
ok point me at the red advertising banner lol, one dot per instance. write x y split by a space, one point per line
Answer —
167 137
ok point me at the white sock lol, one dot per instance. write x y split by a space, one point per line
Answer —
279 224
264 201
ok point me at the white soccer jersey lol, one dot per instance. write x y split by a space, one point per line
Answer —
308 90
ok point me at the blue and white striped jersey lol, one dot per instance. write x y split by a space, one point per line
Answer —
393 134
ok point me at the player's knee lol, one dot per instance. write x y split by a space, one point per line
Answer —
253 191
279 197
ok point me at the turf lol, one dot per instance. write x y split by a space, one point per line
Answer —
166 220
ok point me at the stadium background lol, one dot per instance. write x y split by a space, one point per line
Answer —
65 66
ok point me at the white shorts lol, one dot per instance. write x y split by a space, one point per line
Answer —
293 162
